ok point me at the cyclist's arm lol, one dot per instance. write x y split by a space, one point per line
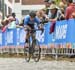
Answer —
26 21
18 26
25 26
37 20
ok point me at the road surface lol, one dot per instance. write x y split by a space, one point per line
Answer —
20 64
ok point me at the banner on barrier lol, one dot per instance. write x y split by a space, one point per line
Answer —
64 33
61 31
16 37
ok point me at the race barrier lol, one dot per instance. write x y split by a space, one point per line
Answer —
62 37
16 37
64 34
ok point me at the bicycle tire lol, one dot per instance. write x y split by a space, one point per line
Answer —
37 50
27 52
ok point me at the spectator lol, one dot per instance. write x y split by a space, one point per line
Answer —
16 19
70 9
5 22
8 16
47 5
11 23
45 13
63 4
4 25
62 17
53 2
40 14
73 15
1 25
8 23
55 15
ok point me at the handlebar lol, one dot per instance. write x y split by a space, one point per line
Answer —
29 29
34 29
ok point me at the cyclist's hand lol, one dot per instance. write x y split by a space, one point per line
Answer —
40 26
27 28
19 26
42 30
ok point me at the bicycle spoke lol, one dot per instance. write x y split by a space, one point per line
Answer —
26 53
36 53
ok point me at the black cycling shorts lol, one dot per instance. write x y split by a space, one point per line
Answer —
31 26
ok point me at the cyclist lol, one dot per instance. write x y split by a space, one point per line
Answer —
29 22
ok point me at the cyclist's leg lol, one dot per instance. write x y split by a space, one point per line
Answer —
33 35
28 34
26 48
36 48
34 41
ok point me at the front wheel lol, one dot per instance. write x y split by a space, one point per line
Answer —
37 50
27 52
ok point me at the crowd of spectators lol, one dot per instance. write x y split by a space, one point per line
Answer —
10 22
63 11
52 13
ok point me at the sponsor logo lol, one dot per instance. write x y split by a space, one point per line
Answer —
61 31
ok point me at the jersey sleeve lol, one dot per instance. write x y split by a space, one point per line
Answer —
26 20
37 20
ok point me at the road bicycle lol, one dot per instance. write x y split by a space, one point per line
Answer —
32 49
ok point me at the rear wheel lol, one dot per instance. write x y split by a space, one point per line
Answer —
37 50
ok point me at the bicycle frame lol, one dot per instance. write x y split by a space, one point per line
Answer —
34 46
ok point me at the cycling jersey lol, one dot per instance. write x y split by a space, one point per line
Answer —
28 21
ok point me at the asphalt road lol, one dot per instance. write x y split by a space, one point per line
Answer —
21 64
